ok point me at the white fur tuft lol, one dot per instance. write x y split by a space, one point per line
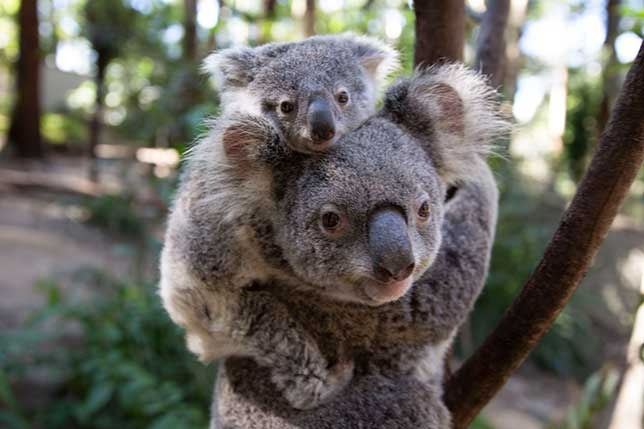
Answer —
484 123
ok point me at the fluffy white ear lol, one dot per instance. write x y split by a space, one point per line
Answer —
455 114
233 67
377 58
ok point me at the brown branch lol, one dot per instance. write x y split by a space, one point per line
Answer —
309 18
190 30
440 31
490 44
569 255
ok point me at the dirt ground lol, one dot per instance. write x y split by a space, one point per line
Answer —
42 236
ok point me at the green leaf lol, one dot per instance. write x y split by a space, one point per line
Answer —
98 398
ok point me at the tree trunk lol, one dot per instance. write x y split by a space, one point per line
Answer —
97 118
518 11
584 225
490 45
24 131
309 18
269 8
440 31
610 78
190 30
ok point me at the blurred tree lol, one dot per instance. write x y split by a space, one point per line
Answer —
309 18
490 45
109 25
24 131
439 31
514 59
190 30
610 75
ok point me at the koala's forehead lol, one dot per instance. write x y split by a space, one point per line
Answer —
307 68
376 164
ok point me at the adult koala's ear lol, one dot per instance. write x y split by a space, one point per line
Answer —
453 112
232 67
377 58
248 140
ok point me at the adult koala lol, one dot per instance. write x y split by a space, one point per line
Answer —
388 269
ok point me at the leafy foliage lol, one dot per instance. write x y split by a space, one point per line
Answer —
599 390
527 218
581 133
115 214
103 17
128 369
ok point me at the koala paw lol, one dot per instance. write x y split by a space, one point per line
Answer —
305 392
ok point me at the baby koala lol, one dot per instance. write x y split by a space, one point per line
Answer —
314 90
306 95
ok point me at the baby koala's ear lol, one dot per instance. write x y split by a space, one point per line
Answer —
247 140
453 112
377 58
232 68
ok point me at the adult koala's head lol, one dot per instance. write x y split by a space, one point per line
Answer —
315 90
362 221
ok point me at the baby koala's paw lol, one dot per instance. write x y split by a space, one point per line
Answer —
305 392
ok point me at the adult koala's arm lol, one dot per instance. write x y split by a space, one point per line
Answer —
444 296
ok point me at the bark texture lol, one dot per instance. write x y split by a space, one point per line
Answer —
96 122
24 132
440 31
190 30
584 225
490 44
309 18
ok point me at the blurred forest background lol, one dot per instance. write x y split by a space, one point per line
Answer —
84 191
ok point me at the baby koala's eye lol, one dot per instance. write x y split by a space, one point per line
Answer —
342 97
287 107
332 222
423 210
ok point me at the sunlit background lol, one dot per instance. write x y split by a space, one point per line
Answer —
84 343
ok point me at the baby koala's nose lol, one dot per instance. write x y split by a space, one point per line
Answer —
321 122
324 132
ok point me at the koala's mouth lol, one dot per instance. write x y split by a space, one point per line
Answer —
381 293
311 146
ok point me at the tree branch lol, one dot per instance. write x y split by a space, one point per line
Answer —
583 227
475 16
490 44
440 28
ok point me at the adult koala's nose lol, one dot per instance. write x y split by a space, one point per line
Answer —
389 245
321 123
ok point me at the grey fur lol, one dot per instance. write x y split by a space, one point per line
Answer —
220 217
305 315
257 80
397 347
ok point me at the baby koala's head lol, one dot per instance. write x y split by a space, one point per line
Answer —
362 221
314 90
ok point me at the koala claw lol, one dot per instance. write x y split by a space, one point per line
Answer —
307 392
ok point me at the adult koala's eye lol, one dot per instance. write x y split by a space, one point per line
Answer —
423 210
287 107
342 97
332 221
